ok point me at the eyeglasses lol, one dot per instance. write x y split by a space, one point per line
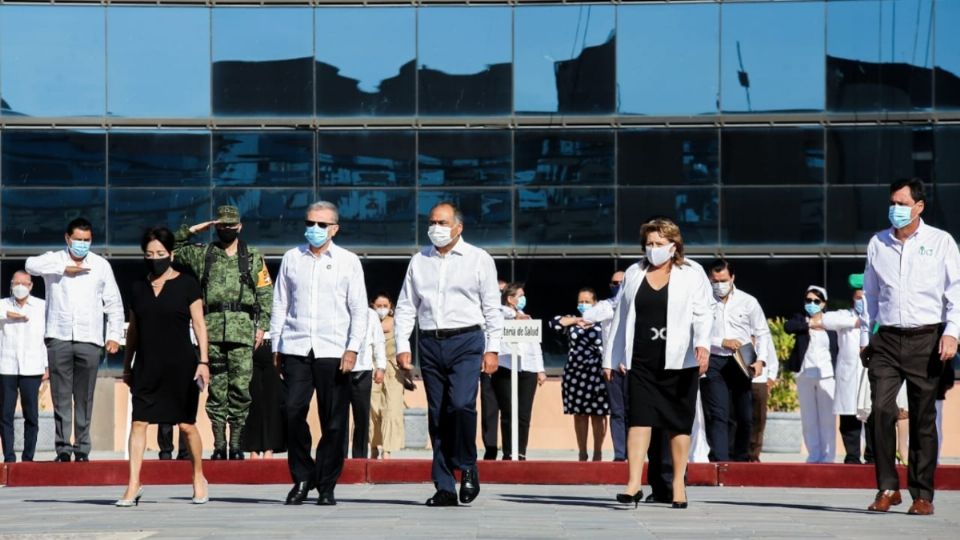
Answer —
320 224
816 301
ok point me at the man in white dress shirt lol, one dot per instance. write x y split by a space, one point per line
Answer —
318 325
912 289
451 290
23 363
727 392
80 290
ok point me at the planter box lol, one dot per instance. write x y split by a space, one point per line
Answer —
415 430
45 437
784 433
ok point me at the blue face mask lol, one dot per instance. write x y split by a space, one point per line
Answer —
521 303
858 306
79 248
582 308
899 216
812 309
615 290
315 236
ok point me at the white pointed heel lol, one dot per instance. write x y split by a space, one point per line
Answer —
202 500
127 503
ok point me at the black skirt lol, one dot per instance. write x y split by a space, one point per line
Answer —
662 398
265 429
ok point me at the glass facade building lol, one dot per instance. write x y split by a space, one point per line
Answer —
768 130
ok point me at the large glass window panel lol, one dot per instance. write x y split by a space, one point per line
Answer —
772 156
668 59
558 157
53 158
769 216
134 210
879 55
564 216
270 159
263 61
366 61
52 60
366 158
158 61
271 217
37 217
159 158
947 52
372 217
772 56
878 155
941 210
464 158
855 213
565 59
465 60
695 209
947 154
487 214
668 157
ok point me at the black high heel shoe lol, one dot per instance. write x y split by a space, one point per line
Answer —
626 498
680 505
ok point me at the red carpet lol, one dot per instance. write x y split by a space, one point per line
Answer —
111 473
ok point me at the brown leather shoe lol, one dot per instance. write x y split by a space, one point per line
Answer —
921 507
884 500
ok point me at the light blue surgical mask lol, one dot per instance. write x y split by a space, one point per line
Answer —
858 306
79 248
315 235
900 216
812 309
521 303
582 308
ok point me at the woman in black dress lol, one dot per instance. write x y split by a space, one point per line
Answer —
661 334
160 364
266 429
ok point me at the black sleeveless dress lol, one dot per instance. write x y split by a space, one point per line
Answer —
658 397
163 388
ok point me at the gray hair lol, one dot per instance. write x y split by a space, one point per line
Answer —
23 273
457 214
325 205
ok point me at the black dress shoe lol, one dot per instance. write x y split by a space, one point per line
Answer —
490 453
183 456
81 457
443 498
326 499
218 454
469 486
236 455
299 493
63 457
166 456
680 505
651 498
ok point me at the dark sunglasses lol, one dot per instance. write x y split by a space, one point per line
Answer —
816 301
320 224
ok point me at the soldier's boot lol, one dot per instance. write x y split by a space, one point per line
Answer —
219 442
236 438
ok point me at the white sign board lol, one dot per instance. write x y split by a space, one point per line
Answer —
523 331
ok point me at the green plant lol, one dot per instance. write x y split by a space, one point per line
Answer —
783 395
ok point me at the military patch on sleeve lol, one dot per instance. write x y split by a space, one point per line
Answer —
263 278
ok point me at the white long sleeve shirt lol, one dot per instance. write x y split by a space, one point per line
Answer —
457 290
849 368
913 283
374 346
740 318
22 349
771 370
77 303
319 303
531 354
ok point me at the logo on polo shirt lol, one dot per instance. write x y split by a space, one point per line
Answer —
924 252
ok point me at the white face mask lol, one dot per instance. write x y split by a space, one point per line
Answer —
383 312
659 254
20 291
721 289
439 235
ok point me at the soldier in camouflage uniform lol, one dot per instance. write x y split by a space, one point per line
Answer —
237 306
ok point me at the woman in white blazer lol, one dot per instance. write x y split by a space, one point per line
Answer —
661 330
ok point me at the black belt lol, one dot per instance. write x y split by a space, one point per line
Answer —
230 306
450 332
916 331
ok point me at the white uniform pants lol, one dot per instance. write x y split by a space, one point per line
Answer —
817 418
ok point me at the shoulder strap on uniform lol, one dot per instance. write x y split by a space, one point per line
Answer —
245 261
207 263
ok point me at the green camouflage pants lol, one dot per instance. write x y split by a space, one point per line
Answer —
228 400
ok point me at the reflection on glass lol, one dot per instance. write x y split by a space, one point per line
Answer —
262 61
271 159
366 158
764 216
159 158
557 157
565 59
878 155
462 158
133 210
366 61
487 215
942 209
668 157
565 216
695 209
772 56
879 55
947 159
772 156
53 158
465 58
375 217
668 59
855 213
271 217
158 61
947 48
52 60
37 217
